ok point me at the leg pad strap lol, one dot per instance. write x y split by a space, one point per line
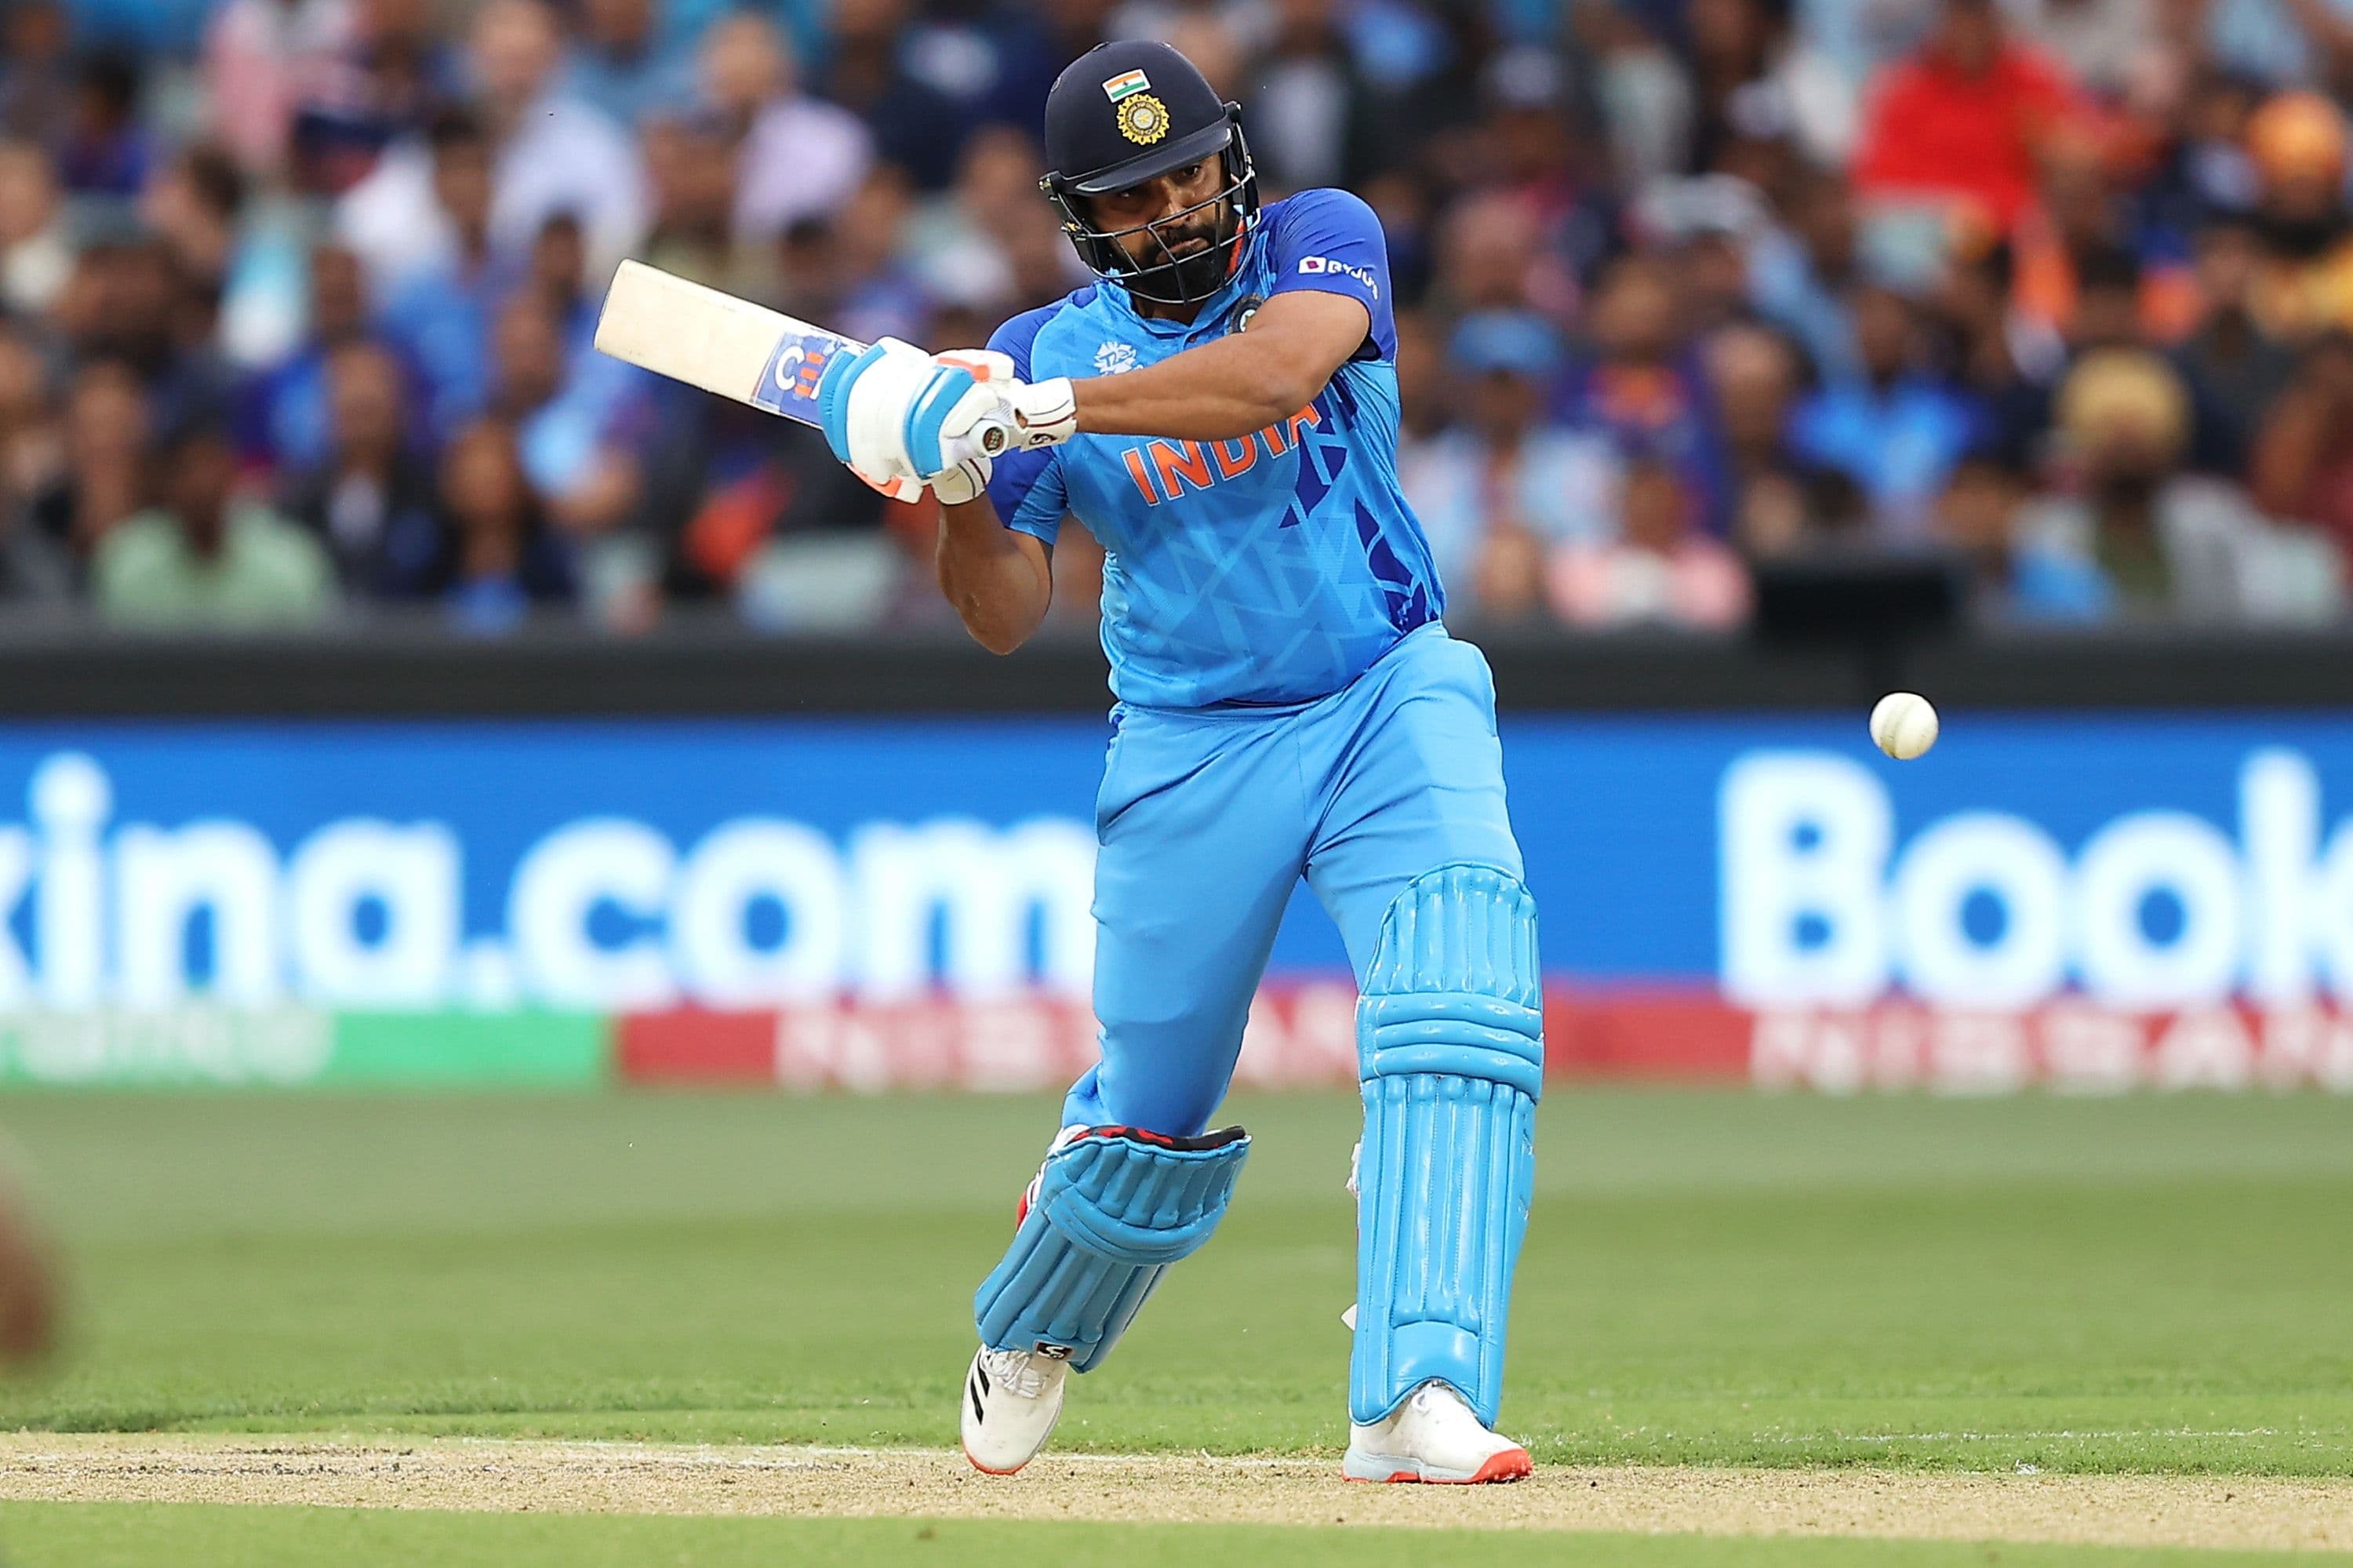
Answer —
1112 1209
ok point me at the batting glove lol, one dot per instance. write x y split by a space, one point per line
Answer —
997 412
902 420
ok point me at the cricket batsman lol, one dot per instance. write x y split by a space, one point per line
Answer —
1220 408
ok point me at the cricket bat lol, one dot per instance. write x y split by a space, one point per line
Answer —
717 342
774 361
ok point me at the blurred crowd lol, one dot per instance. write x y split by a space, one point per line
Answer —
296 296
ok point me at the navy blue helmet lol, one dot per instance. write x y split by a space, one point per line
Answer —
1124 114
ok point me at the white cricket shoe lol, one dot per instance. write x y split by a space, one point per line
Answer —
1433 1438
1011 1400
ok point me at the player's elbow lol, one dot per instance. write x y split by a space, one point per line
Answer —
1281 392
998 639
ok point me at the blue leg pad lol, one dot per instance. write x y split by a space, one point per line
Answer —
1113 1207
1450 1043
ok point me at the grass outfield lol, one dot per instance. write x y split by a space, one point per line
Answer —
2132 1284
129 1536
2138 1284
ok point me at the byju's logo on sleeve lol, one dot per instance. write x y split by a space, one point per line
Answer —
1313 266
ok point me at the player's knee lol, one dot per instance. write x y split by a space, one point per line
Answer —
1454 988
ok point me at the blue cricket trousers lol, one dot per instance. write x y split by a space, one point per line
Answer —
1207 820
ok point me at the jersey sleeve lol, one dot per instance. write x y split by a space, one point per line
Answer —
1027 488
1330 241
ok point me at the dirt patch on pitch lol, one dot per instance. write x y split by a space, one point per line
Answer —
621 1478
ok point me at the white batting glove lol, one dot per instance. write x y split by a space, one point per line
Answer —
969 480
902 420
863 404
1001 413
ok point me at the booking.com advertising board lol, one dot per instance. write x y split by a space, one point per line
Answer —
2085 903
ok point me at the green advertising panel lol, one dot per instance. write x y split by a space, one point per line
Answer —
205 1047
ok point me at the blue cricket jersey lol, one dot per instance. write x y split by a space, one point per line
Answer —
1274 567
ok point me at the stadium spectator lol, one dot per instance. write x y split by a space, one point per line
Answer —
34 568
1639 385
1965 118
192 204
106 149
370 497
2167 543
285 409
1498 490
1778 502
385 70
1754 78
100 477
1662 568
260 57
504 559
2081 222
915 126
439 310
1491 258
126 301
2302 464
1643 94
990 62
36 256
558 274
564 408
2236 370
2298 144
203 557
1319 118
797 156
851 270
988 242
36 70
690 175
2010 578
622 63
1802 273
549 153
1897 428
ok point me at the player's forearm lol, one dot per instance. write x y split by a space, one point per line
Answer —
996 578
1219 391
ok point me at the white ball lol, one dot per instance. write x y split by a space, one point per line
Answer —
1904 725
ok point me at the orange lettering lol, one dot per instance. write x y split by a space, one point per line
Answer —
1230 463
1134 457
1177 461
1281 438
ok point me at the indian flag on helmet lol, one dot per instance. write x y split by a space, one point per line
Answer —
1120 85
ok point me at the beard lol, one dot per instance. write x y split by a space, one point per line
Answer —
1198 273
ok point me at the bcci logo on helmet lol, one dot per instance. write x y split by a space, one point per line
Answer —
1144 119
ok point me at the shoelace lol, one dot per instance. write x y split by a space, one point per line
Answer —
1017 1370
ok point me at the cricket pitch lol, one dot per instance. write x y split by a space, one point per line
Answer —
483 1474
